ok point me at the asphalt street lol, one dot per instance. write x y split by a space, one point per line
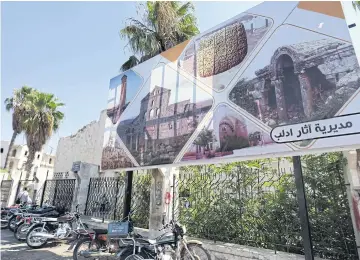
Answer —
15 250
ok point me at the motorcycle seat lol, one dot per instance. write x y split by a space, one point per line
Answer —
49 219
65 218
100 231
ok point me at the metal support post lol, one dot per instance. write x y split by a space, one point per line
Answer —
303 211
128 191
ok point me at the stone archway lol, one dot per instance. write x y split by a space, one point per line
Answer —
291 87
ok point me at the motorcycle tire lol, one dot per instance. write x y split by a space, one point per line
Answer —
199 247
4 224
85 240
12 223
19 234
29 237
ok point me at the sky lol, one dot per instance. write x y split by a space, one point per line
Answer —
73 49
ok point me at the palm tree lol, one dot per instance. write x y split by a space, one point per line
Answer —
356 5
14 103
40 121
164 25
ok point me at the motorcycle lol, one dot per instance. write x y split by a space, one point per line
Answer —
57 229
172 245
120 241
100 243
22 226
15 214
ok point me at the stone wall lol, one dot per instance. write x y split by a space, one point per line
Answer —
85 146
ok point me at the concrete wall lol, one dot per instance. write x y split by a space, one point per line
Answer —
85 146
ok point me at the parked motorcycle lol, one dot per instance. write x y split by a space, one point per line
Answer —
15 213
172 245
20 212
66 227
98 243
27 220
120 242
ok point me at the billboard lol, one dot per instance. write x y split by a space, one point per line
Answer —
265 83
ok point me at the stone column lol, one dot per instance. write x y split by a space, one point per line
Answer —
352 182
87 171
306 93
161 183
280 99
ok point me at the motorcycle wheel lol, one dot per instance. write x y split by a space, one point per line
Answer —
12 223
21 231
84 242
36 242
4 222
198 252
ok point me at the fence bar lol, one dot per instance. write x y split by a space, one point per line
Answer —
303 211
128 190
87 197
116 197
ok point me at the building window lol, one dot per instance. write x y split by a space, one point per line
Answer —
38 156
2 150
26 153
151 114
170 126
157 112
50 160
13 153
152 103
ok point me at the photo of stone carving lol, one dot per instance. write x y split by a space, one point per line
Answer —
113 156
161 121
215 57
122 90
302 81
227 132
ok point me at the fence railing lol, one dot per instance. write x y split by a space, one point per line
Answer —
251 204
106 198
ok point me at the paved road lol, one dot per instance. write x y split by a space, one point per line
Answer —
15 250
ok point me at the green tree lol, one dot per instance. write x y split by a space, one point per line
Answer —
41 119
163 25
14 104
204 139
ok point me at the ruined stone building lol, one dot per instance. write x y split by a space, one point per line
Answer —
304 81
161 129
224 48
119 102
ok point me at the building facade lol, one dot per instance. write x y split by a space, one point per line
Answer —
161 129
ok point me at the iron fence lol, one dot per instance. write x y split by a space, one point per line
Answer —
249 203
59 193
106 198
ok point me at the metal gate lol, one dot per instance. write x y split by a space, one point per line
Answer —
6 186
106 198
59 193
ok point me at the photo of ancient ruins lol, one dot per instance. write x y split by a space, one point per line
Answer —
122 90
307 80
227 132
113 156
163 117
215 57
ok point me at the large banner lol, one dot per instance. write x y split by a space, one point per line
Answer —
280 79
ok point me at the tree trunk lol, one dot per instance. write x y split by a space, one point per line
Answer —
29 161
14 135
